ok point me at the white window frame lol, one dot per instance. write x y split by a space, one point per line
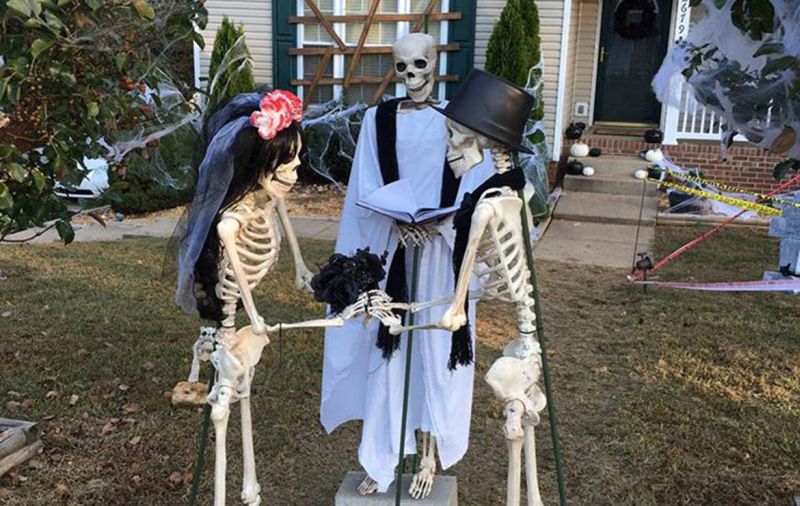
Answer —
339 69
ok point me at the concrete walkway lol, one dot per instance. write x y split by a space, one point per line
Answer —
595 220
305 227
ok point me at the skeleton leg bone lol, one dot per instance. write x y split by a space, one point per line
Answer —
250 487
220 413
514 470
422 484
531 478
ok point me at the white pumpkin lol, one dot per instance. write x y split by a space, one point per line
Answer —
579 150
588 171
654 155
640 174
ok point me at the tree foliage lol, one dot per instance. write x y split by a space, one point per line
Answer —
77 76
233 76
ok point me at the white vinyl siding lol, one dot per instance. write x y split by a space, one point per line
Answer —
584 63
551 18
256 16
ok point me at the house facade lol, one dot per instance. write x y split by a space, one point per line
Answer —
599 58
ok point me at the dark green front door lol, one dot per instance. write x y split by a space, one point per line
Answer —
633 42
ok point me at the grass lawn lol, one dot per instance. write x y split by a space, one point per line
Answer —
664 398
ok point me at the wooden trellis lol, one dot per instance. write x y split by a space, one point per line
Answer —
339 47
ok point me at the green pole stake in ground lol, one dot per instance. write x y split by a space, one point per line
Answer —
201 449
537 308
398 483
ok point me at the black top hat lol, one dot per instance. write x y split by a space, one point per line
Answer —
492 107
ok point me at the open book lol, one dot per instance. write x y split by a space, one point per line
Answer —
396 200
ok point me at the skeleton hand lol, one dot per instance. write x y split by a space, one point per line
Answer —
302 278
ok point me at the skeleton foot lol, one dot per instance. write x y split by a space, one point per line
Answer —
422 484
251 494
368 486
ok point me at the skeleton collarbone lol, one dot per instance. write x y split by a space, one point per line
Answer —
257 244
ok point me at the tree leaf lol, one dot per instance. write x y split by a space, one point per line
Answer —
144 9
65 231
21 7
769 48
93 109
6 200
17 172
94 4
779 65
121 60
39 46
38 180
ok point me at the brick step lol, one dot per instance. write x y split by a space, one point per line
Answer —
617 166
605 208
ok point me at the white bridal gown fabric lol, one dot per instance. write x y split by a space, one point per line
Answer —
357 382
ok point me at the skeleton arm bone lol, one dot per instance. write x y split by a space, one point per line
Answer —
303 275
227 229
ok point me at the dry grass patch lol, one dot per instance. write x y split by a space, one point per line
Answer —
664 398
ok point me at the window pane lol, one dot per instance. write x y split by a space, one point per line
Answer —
314 32
379 33
362 93
369 65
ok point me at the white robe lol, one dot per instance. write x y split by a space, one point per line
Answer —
357 382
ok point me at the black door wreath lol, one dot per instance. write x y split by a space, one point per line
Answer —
635 19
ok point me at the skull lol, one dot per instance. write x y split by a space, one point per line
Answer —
464 148
279 182
414 63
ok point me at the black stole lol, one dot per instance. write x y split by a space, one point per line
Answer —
460 353
396 285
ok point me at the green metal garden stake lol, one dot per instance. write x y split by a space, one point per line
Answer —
404 420
201 450
537 308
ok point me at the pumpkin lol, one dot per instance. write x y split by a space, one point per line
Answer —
588 171
640 174
654 155
573 132
579 150
575 168
595 152
654 136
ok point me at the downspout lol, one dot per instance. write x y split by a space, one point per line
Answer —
562 84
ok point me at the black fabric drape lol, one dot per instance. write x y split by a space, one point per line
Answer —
461 352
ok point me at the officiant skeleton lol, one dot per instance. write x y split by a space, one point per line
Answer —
400 179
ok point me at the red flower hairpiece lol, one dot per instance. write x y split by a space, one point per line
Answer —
278 110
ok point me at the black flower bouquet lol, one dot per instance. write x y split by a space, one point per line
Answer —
344 278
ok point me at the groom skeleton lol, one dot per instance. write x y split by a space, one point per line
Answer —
363 368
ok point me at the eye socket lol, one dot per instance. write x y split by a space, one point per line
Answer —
420 64
401 67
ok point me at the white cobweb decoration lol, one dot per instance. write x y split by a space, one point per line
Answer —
331 132
535 166
751 84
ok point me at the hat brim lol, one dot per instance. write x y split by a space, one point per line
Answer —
517 147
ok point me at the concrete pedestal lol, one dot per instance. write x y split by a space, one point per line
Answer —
444 493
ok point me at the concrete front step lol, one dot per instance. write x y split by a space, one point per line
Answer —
605 208
602 183
596 244
617 165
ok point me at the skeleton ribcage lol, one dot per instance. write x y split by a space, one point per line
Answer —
500 263
257 245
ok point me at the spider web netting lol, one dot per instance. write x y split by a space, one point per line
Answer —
535 166
751 84
331 133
